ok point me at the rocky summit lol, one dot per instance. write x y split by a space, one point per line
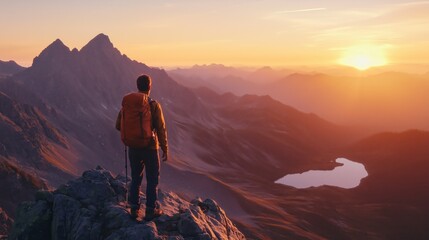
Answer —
93 207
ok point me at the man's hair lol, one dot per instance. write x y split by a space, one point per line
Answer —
143 83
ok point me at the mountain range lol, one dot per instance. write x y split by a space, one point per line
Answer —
376 100
58 120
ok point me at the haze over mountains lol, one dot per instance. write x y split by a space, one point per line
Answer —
379 100
58 120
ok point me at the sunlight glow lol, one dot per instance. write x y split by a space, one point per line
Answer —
364 57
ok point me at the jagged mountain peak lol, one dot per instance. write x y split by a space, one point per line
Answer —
57 42
56 46
101 41
53 53
101 38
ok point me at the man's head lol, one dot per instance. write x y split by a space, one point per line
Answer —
144 83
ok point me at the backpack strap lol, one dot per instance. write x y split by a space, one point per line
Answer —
151 102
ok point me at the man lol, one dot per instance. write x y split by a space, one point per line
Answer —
146 157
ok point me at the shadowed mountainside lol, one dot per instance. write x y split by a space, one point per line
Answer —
396 163
394 191
29 139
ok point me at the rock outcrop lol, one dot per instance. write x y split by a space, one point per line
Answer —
93 207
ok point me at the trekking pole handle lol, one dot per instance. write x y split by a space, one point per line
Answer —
126 162
126 175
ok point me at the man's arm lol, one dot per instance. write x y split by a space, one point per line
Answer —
118 121
161 130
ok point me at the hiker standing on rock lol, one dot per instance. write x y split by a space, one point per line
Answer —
143 130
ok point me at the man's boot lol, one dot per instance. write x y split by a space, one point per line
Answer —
152 213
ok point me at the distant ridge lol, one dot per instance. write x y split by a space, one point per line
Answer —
9 67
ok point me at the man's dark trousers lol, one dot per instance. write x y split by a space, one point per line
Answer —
141 159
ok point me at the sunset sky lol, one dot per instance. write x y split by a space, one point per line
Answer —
241 32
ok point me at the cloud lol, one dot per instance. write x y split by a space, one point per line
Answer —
300 10
401 13
281 14
395 23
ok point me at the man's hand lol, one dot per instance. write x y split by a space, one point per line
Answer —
164 156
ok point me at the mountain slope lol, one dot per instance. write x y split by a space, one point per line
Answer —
28 137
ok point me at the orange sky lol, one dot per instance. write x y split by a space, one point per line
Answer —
253 32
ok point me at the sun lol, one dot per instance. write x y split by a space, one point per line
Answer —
363 57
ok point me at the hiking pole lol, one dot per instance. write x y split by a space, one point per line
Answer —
126 176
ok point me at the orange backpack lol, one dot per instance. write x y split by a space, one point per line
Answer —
136 121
